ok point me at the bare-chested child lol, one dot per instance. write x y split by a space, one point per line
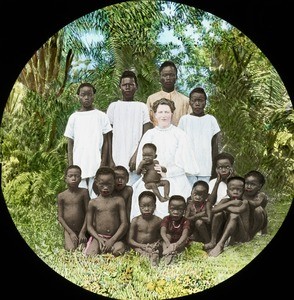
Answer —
106 217
121 188
175 229
144 234
72 207
236 217
151 178
254 181
199 212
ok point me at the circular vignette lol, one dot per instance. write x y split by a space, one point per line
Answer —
256 23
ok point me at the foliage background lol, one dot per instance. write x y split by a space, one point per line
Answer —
235 73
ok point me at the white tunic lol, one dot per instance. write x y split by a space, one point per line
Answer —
221 191
173 152
86 128
127 119
201 131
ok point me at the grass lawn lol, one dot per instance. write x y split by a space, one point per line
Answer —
131 276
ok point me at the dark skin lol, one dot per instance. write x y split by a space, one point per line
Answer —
106 219
198 103
151 177
224 170
237 218
176 211
86 97
122 189
72 207
144 234
199 213
128 89
257 203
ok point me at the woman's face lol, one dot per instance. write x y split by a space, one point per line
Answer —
163 115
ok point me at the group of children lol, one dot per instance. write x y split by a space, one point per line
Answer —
95 209
103 225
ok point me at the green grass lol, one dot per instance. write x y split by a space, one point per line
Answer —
131 276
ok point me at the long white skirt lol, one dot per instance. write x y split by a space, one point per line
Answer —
179 185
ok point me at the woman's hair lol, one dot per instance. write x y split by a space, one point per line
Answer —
163 101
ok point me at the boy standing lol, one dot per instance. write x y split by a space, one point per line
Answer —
129 120
168 73
86 131
204 133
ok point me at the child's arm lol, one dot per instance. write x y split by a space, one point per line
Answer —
259 200
164 236
70 144
60 203
104 150
183 238
140 167
237 206
223 204
86 199
129 202
131 234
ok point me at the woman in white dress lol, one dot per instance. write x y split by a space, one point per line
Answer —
174 152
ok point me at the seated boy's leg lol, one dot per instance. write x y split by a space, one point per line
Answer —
217 226
118 248
92 247
69 244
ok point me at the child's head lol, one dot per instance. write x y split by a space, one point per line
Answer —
149 153
235 187
147 203
104 180
197 101
121 177
199 191
224 163
86 92
73 175
128 85
176 206
254 181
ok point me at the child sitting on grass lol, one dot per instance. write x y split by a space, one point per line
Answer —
175 229
106 217
232 216
144 233
254 181
72 207
199 212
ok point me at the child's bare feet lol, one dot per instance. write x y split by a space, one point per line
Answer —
209 246
154 259
217 250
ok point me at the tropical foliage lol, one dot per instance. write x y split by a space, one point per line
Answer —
246 95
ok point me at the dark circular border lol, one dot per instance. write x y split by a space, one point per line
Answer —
30 24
